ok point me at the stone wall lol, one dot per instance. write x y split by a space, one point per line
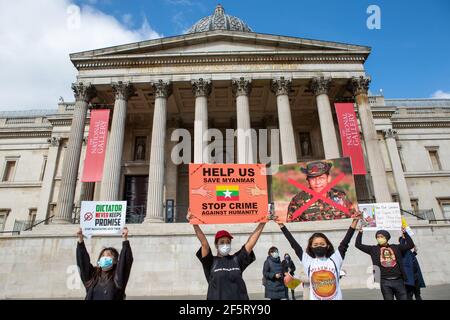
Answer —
40 264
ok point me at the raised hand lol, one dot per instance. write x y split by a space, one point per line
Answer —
80 235
125 233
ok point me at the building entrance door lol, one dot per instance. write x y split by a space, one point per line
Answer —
136 197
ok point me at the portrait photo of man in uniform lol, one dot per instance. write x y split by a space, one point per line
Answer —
316 190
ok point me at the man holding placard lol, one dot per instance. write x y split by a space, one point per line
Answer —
387 262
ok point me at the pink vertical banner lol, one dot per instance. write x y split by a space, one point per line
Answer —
96 146
349 131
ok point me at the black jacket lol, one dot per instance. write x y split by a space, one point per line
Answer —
375 251
105 289
288 265
275 288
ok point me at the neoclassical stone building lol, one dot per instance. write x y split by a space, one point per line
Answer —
221 75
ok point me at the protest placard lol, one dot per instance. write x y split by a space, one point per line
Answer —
102 217
227 193
381 216
314 191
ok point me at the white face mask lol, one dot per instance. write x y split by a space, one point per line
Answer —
224 249
275 254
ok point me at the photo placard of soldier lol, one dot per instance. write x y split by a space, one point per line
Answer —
315 191
228 193
102 217
368 216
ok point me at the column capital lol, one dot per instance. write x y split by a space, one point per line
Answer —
320 85
162 89
281 86
122 90
359 85
83 91
201 87
241 86
390 133
54 141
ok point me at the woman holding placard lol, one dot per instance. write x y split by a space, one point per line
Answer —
108 280
224 271
321 262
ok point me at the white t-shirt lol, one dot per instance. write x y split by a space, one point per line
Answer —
323 276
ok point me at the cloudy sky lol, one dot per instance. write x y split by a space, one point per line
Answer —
410 53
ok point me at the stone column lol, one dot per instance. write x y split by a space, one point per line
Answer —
397 170
113 160
171 178
360 86
201 89
162 90
48 181
83 94
242 89
281 88
320 87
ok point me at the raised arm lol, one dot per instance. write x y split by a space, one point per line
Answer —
125 262
200 235
359 245
251 242
294 244
83 259
409 242
343 246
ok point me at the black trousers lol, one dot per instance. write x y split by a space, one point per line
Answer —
393 288
413 291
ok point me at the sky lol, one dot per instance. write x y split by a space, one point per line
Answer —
410 50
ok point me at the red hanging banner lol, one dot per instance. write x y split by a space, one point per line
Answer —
351 143
96 146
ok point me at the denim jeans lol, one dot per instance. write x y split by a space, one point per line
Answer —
393 288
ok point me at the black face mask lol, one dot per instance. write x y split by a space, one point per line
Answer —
287 258
319 252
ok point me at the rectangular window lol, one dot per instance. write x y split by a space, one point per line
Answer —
415 205
32 216
434 157
10 167
3 215
445 207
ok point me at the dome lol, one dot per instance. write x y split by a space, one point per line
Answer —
219 21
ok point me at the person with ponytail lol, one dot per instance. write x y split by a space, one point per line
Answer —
109 278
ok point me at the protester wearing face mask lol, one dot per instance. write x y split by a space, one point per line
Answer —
288 267
224 271
273 276
387 260
321 263
108 280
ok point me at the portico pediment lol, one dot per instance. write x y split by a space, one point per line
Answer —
220 43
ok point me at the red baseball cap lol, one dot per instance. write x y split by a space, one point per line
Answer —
222 234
